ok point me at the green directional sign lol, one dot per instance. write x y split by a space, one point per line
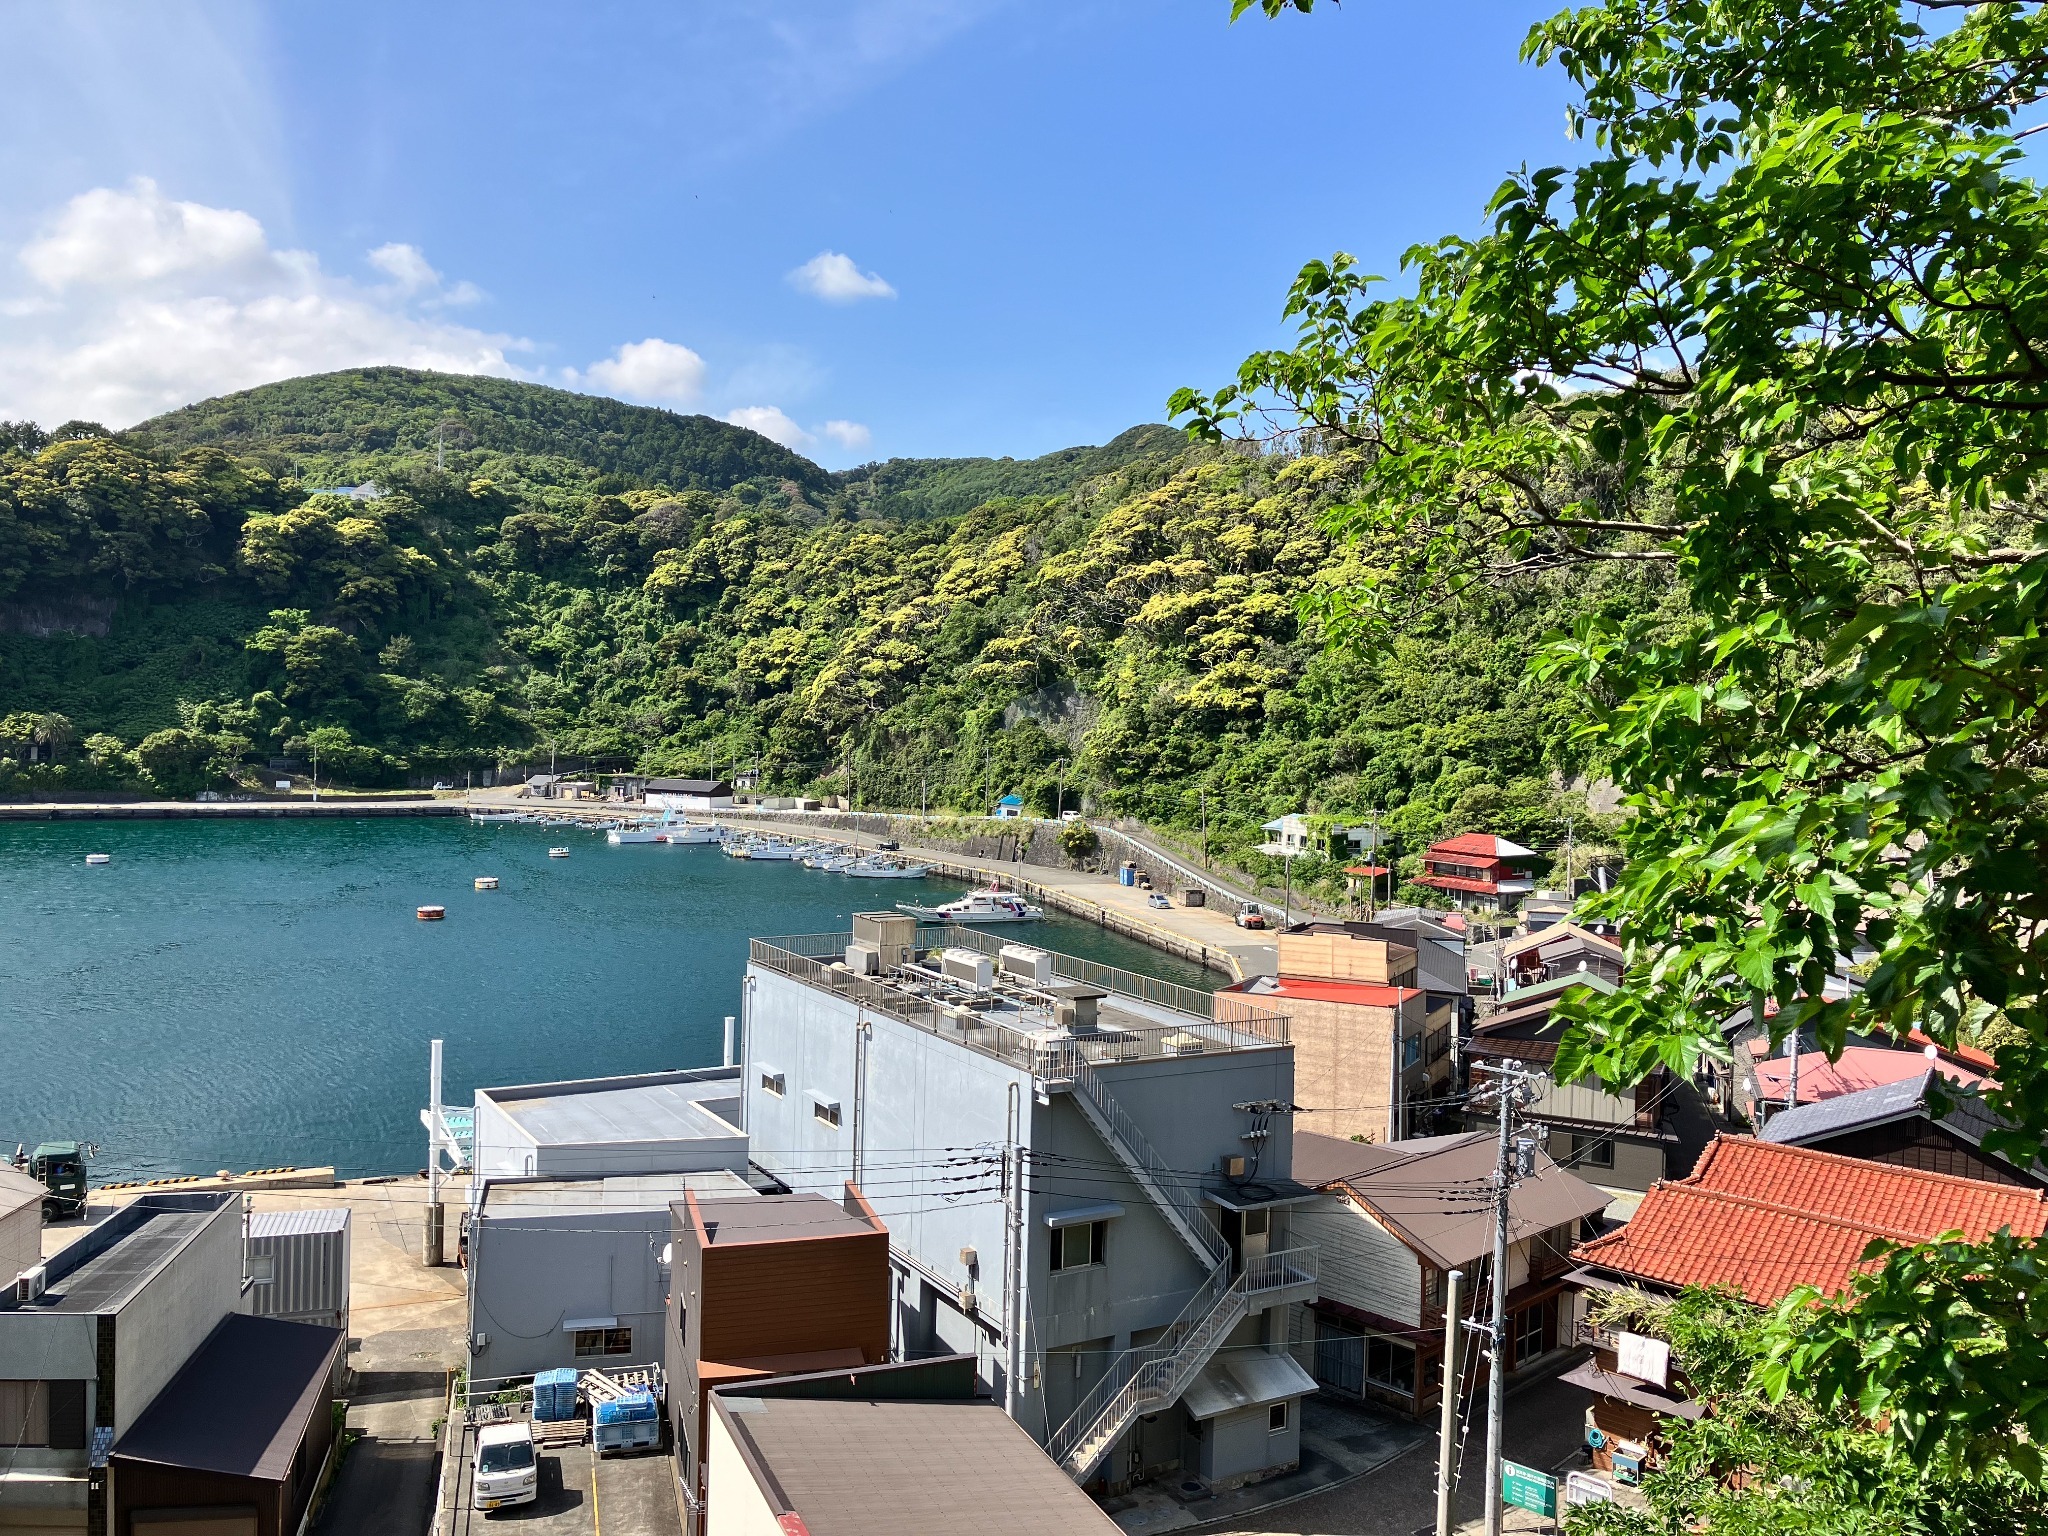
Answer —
1526 1488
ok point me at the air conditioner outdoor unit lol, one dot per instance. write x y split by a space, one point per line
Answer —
864 959
969 967
30 1283
968 1301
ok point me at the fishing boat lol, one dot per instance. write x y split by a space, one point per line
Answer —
993 905
487 882
686 833
99 858
484 818
768 848
558 853
886 869
640 834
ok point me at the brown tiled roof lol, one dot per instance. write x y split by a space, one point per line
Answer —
1436 1195
866 1468
1766 1218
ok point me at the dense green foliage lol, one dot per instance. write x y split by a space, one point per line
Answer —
349 423
1785 336
1124 622
1766 1462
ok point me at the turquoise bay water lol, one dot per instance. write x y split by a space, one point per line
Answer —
244 994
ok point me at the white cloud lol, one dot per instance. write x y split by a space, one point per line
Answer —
850 435
137 303
833 277
654 371
770 421
406 265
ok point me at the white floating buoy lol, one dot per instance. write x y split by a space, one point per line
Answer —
487 882
99 858
431 914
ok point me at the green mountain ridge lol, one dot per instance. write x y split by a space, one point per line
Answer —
1127 622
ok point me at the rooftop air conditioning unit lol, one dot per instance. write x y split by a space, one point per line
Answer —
31 1283
970 967
864 959
1028 964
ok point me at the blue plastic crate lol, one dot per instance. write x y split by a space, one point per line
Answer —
554 1395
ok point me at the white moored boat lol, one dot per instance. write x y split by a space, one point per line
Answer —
886 869
642 833
485 818
990 906
687 832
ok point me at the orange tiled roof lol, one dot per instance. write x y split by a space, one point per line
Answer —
1766 1218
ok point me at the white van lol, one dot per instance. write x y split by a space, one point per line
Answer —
506 1473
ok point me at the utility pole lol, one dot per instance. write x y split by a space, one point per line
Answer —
1205 826
1507 1085
1792 1074
924 796
1568 860
1447 1436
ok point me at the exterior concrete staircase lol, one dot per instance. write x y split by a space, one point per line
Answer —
1153 1376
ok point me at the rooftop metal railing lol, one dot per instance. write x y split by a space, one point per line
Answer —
1204 1023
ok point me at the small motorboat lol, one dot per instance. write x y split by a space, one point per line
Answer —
619 835
485 818
430 914
558 853
99 858
993 905
487 882
886 869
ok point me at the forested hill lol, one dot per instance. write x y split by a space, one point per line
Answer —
1124 621
330 421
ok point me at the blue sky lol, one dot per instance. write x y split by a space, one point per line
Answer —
1036 219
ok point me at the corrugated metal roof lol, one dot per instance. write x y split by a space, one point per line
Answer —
1245 1381
1876 1106
325 1218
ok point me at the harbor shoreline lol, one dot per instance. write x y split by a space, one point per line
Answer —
197 810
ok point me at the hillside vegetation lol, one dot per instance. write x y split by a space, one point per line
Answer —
1123 623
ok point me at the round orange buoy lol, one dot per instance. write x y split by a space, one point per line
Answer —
432 914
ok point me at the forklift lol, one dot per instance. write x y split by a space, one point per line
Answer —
59 1166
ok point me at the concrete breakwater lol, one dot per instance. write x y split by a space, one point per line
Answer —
1025 858
200 810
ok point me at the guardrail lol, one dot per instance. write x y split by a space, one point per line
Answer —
1221 1025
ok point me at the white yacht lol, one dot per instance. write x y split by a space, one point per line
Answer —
993 905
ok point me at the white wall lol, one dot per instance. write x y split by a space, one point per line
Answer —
21 1241
1363 1264
734 1503
500 1149
156 1333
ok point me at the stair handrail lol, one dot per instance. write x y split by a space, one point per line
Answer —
1165 1184
1156 1374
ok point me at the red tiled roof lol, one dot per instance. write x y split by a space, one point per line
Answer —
1484 844
1363 994
1766 1218
1366 869
1459 883
1861 1067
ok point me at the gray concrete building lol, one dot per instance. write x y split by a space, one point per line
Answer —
1085 1173
649 1122
95 1333
575 1272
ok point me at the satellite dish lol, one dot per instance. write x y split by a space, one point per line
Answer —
668 1252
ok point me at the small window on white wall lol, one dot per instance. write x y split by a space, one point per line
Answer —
772 1082
825 1111
1276 1419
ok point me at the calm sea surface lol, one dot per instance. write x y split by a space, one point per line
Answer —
244 994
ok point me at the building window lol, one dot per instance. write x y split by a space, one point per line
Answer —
1528 1332
592 1343
1257 1223
262 1268
825 1111
1433 1287
1411 1050
1590 1151
1276 1419
1080 1245
1391 1364
771 1082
